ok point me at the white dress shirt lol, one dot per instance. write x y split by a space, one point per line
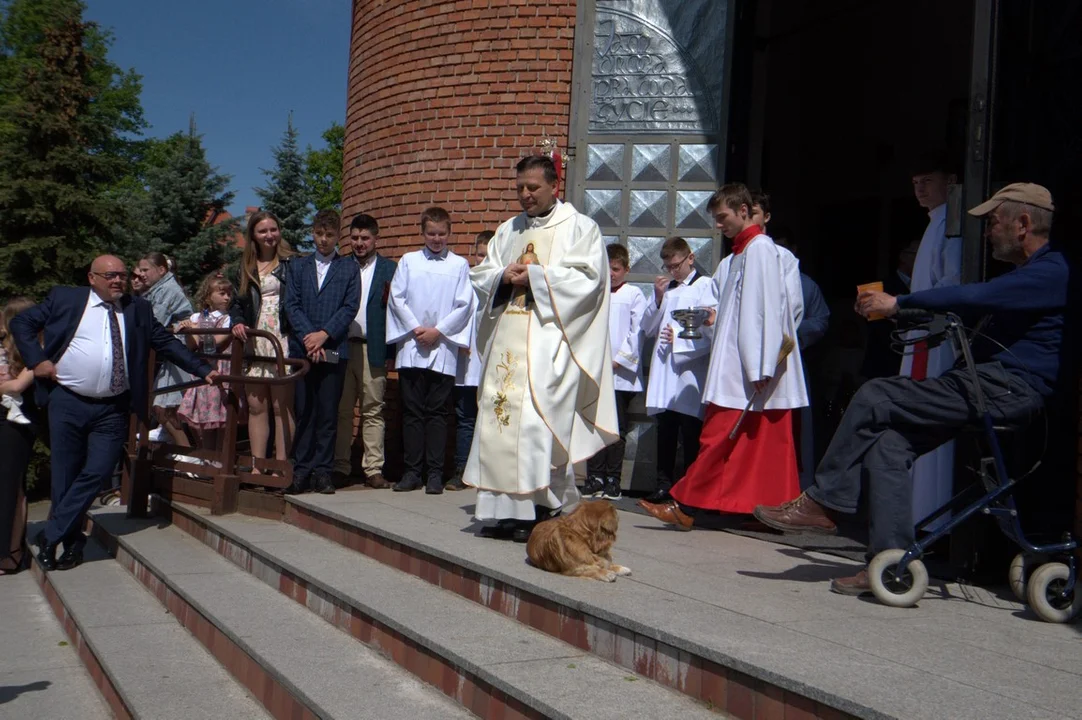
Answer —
323 264
86 367
359 327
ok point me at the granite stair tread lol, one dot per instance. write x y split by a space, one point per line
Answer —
327 671
544 673
155 665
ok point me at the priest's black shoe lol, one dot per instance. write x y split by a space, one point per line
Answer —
502 530
522 531
408 483
434 485
299 485
659 496
322 483
46 552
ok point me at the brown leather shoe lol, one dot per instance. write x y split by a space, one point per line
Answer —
376 482
856 585
800 515
669 513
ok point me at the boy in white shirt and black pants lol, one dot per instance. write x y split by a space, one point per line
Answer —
678 368
429 317
627 306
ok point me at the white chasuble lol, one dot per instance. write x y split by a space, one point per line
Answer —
546 399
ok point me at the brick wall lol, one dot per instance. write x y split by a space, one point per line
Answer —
444 98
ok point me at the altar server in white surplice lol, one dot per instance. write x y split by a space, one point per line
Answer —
627 306
678 369
755 363
429 316
938 264
546 399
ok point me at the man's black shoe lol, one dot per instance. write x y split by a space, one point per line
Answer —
46 552
408 483
322 484
340 479
502 530
522 531
434 486
659 496
299 485
71 557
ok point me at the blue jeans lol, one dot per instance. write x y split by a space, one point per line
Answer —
465 420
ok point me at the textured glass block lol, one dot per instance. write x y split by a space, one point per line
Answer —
698 163
605 162
703 247
691 209
610 239
603 206
649 208
651 163
644 252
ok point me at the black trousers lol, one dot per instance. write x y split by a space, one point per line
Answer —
670 426
316 405
609 461
426 408
16 447
892 421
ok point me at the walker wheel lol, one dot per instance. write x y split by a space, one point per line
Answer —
1022 568
895 590
1045 594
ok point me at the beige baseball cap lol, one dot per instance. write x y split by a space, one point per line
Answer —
1029 193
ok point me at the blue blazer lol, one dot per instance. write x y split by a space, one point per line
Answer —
57 319
382 274
330 308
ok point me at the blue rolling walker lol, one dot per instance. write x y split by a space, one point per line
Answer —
1041 575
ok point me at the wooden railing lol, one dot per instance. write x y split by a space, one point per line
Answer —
217 482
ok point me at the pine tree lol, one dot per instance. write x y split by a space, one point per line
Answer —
286 194
65 111
323 170
186 195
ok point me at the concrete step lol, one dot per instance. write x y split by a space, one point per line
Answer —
741 623
142 661
489 663
294 664
40 672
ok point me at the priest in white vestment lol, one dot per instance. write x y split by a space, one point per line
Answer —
938 264
546 399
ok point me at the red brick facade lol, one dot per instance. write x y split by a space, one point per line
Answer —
444 97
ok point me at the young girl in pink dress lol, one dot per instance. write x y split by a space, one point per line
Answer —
203 407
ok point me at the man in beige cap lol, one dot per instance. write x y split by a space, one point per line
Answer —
892 421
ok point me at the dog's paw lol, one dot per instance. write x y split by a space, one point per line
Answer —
608 576
621 570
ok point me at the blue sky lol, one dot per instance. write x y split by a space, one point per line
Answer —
241 66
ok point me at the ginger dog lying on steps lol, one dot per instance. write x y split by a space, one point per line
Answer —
578 544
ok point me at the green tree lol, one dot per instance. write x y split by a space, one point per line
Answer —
67 116
323 169
185 198
286 194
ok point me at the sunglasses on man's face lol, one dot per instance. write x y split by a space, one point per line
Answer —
111 275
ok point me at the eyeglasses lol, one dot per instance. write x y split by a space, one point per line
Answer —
673 267
111 275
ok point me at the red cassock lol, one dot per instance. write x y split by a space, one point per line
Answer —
759 467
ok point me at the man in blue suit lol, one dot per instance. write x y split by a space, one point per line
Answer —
366 371
321 301
91 370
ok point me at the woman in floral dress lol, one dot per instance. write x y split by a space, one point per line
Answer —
258 305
